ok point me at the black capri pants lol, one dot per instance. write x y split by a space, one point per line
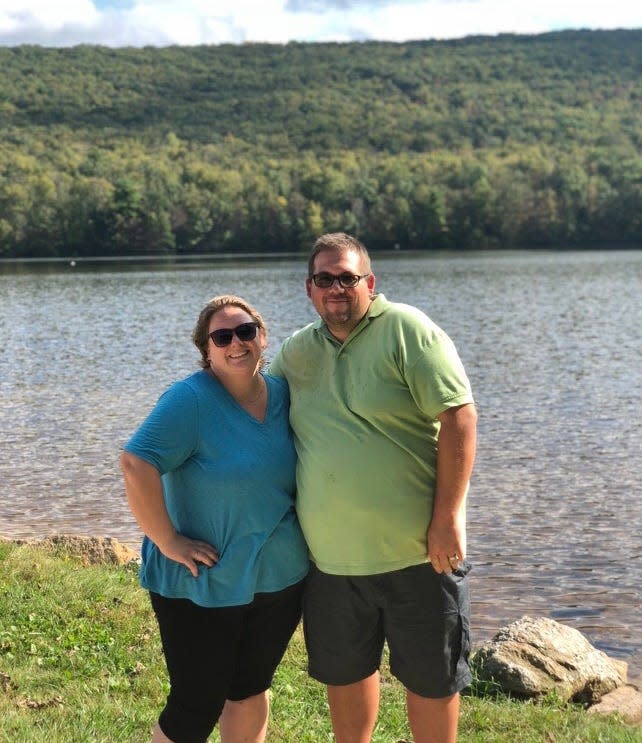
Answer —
215 654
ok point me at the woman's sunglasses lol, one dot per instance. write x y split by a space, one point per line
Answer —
246 331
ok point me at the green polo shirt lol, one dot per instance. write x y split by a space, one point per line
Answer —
365 430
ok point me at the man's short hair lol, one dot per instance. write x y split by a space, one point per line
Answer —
340 243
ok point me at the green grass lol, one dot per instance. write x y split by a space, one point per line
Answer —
80 660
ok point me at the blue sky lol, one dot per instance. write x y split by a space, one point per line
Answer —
186 22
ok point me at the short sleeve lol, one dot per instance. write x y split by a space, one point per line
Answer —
436 378
167 437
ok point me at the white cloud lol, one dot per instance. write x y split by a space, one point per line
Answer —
36 19
162 22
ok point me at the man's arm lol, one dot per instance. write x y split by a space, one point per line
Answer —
457 442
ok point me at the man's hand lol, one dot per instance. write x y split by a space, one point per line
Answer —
446 544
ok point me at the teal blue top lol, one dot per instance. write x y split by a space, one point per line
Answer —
229 480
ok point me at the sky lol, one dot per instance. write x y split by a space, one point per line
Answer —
118 23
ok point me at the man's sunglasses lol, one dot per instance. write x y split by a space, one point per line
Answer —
325 280
246 331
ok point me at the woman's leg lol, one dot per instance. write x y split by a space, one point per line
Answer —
268 624
200 647
245 721
158 736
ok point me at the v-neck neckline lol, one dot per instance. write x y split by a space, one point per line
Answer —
238 405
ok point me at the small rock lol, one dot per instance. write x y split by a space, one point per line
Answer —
625 701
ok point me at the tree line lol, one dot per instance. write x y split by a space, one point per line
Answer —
509 141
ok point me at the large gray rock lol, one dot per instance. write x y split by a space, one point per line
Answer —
532 657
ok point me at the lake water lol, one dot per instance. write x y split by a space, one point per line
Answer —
551 342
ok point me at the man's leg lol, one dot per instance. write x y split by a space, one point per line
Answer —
354 708
433 720
344 639
427 630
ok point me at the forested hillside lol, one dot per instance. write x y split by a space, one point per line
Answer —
508 141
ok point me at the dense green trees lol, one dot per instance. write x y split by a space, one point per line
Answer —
480 142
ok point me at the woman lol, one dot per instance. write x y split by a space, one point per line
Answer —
210 479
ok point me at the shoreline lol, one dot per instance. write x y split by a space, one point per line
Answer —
103 550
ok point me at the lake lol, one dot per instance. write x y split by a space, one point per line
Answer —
552 345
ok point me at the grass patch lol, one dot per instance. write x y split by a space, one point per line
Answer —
80 660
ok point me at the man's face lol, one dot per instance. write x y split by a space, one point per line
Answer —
341 308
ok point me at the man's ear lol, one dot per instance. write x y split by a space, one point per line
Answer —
308 287
371 281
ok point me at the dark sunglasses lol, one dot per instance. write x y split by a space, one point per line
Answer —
325 280
246 331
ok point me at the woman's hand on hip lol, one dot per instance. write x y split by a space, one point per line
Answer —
190 552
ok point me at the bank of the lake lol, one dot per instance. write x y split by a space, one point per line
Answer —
80 660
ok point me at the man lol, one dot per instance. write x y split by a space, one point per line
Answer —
385 430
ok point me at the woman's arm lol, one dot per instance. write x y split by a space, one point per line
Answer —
145 497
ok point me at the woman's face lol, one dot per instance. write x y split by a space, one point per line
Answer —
239 357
